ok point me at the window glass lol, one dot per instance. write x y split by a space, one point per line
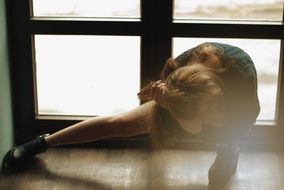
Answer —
86 75
232 10
265 55
87 8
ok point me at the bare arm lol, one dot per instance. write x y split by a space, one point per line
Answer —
131 123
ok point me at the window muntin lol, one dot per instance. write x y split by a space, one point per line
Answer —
111 9
266 57
86 75
229 10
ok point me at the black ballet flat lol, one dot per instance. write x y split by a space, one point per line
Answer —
18 157
8 161
224 167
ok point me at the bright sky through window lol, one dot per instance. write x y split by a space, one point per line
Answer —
244 10
87 8
87 75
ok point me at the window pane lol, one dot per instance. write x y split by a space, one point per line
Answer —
265 55
238 10
87 75
87 8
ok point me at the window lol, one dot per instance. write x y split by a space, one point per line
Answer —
232 10
58 48
107 9
86 75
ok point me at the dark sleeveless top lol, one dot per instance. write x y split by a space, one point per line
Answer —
241 100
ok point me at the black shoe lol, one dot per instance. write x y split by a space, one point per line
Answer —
224 166
17 158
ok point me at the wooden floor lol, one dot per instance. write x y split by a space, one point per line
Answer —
111 169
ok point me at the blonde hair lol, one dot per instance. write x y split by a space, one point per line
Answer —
188 84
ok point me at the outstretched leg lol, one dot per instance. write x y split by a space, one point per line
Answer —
131 123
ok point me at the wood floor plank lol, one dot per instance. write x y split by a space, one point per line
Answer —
142 169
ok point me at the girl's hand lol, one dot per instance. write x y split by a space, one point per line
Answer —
158 90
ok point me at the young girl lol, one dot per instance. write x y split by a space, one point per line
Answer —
208 92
